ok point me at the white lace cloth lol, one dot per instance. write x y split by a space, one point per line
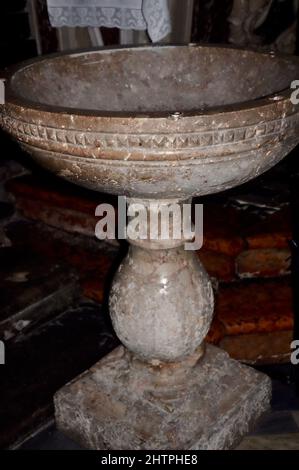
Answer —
152 15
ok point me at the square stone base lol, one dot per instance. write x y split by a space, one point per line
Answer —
113 405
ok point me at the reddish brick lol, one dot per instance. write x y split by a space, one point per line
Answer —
259 348
93 267
218 265
269 262
55 193
59 205
61 218
222 229
216 332
90 263
273 232
255 307
93 286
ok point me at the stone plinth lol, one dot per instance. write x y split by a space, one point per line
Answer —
121 404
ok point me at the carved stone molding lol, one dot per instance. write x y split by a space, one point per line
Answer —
25 131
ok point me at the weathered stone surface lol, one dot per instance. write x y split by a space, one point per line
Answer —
161 303
267 262
196 152
120 404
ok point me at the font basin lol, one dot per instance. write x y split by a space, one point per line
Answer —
155 122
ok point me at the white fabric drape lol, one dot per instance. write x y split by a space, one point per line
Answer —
150 15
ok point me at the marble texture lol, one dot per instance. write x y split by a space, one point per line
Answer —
121 403
176 136
166 123
161 303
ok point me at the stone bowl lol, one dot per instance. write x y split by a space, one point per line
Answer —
155 122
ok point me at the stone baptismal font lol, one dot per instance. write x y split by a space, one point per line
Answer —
160 124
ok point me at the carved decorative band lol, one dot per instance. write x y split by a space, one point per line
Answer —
108 141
